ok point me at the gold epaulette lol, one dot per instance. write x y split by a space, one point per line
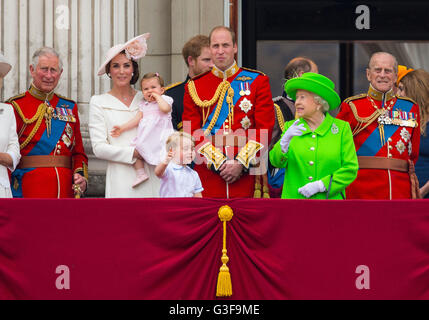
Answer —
172 85
252 70
19 96
65 98
406 98
359 96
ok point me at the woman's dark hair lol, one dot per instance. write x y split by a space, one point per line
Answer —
136 73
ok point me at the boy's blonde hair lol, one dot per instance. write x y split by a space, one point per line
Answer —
173 140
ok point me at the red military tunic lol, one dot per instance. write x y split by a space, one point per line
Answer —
393 133
59 137
250 116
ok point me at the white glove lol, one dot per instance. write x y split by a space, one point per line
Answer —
312 188
294 130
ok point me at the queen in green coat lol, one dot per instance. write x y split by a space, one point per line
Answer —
317 150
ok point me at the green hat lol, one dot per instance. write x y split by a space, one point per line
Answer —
315 83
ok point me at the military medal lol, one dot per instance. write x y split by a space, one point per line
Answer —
405 135
70 115
246 105
242 92
66 141
400 146
246 123
245 89
247 92
69 131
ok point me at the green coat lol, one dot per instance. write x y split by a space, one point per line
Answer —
329 150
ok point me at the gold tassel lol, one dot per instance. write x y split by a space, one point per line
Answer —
382 137
258 188
266 193
224 284
77 191
266 189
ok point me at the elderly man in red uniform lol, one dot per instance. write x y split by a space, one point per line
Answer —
53 163
386 135
231 114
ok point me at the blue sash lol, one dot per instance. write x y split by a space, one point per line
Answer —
44 146
276 181
235 85
372 144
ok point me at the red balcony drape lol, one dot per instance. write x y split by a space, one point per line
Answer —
171 248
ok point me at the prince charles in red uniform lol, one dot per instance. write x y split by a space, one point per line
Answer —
231 115
53 162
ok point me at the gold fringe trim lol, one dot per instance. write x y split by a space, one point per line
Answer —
261 189
224 284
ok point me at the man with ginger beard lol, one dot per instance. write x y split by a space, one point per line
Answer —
197 56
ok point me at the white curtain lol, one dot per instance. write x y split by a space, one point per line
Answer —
411 54
418 54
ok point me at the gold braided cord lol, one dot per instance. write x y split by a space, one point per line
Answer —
219 108
33 132
40 113
363 123
219 96
41 110
212 101
280 118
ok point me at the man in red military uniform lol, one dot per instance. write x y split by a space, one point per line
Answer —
386 135
231 114
53 163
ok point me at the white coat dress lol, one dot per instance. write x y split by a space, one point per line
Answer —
106 111
8 144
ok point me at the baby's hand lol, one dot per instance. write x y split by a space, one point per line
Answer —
116 131
156 96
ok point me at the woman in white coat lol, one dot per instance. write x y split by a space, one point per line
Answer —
9 146
117 106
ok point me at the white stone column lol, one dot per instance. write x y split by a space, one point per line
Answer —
155 17
81 31
189 18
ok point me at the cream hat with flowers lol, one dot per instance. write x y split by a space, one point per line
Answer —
134 49
4 66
